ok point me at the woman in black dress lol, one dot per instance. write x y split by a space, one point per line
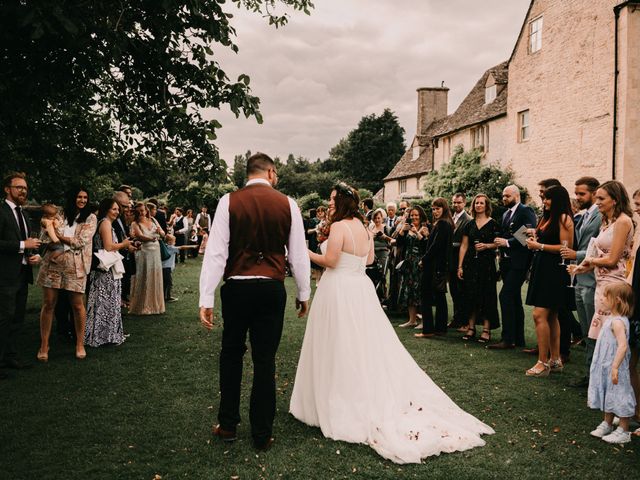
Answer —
435 268
477 267
548 287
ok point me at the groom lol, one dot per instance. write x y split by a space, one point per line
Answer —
252 231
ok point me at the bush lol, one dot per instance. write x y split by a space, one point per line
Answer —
465 173
308 201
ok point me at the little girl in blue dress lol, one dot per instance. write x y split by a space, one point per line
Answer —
609 381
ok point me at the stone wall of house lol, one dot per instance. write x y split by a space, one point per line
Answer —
628 141
494 154
414 188
567 86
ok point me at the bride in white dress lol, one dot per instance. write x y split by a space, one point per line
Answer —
355 380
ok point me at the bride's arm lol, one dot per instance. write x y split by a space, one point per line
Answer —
334 248
372 253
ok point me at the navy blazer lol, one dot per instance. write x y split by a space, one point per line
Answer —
10 256
519 255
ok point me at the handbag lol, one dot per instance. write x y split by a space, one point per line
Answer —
165 254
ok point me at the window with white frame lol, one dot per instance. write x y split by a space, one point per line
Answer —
416 152
524 129
535 35
480 137
490 93
403 185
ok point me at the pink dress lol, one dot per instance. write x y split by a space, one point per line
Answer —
605 276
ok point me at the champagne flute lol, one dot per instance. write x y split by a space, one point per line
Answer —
562 259
572 266
475 244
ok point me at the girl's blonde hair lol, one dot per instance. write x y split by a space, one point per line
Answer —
621 299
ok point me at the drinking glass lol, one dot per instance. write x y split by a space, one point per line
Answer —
475 243
572 263
562 259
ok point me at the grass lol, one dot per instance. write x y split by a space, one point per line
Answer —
145 409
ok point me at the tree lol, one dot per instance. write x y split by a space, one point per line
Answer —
465 173
87 87
371 150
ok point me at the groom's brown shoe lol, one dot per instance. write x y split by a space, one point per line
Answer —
224 435
263 447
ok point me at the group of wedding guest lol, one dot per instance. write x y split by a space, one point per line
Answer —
95 261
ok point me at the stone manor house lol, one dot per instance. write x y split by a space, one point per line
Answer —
565 104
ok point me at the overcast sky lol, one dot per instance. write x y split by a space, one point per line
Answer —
317 76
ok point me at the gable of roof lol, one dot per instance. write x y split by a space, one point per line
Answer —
522 28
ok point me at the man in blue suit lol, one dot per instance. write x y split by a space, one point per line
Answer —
585 288
514 262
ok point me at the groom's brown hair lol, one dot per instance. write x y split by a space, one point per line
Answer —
259 162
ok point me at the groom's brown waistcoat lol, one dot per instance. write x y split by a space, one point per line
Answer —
259 226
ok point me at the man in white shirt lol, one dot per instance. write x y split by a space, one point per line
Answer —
253 229
203 221
180 231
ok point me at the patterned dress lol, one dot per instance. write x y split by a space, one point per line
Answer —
603 394
411 275
604 276
104 318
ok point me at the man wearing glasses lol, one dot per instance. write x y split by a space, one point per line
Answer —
16 273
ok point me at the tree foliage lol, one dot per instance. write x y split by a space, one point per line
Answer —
89 87
298 177
370 151
465 173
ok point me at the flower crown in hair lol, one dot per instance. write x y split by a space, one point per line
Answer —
344 189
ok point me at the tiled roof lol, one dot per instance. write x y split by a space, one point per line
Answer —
407 167
471 111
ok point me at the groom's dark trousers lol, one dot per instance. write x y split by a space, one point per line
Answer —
254 306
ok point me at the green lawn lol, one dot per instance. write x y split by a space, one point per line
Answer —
145 408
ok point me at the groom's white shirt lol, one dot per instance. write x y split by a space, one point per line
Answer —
217 252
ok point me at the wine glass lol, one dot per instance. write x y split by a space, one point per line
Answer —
572 265
562 259
475 244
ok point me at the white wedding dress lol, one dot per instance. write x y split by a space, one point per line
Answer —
357 382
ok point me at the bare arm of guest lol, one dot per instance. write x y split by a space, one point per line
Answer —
464 246
621 337
566 235
107 240
136 232
621 229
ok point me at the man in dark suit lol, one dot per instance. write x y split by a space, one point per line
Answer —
514 262
160 215
16 272
250 231
460 220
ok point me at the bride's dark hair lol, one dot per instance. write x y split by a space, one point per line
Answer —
346 203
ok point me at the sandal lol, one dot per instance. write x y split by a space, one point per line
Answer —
471 334
556 366
485 336
534 372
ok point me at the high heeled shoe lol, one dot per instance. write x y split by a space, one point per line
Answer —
533 372
81 354
556 366
43 356
471 334
407 325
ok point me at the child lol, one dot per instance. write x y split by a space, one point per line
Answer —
205 238
609 380
169 265
50 222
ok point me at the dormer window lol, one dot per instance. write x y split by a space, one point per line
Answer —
535 35
490 94
416 152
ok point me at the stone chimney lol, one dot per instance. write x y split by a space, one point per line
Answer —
432 105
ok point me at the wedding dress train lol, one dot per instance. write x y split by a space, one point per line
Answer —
357 382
